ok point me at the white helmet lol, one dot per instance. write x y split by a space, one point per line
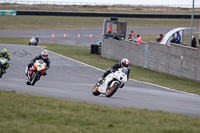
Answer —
124 62
44 54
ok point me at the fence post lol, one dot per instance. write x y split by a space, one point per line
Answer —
146 55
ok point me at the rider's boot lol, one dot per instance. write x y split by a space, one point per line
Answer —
4 70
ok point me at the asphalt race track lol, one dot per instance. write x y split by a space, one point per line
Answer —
72 80
72 35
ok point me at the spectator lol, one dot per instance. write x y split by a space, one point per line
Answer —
138 40
115 36
132 34
194 42
178 38
159 38
109 29
173 39
130 38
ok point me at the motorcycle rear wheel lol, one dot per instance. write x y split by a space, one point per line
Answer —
110 91
95 91
1 72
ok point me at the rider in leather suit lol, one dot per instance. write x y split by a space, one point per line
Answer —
44 57
5 55
124 63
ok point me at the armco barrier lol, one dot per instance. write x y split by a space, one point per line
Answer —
7 12
122 15
177 60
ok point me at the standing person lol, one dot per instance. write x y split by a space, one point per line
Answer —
199 42
138 40
194 42
115 36
173 39
178 38
44 57
132 34
109 29
5 55
129 37
159 38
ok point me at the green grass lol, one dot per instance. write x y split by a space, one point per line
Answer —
22 113
58 22
15 40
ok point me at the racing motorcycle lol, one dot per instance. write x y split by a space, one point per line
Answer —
111 83
35 72
34 40
3 62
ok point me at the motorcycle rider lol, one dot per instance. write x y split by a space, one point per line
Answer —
5 55
44 57
124 63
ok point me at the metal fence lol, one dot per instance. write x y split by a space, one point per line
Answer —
33 2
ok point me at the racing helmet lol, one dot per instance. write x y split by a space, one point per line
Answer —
124 62
44 54
4 51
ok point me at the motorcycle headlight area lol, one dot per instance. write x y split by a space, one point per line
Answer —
39 65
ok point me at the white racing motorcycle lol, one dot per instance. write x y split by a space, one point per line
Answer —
111 83
34 40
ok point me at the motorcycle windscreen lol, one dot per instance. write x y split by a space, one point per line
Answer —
124 70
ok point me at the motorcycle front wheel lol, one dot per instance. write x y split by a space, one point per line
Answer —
35 78
95 91
1 72
110 91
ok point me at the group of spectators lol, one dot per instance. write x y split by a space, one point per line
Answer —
176 38
132 37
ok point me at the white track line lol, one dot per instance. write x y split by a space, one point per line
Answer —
130 79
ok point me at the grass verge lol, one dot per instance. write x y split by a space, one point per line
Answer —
60 22
22 113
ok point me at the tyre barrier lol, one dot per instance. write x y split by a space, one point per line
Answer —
95 49
122 15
